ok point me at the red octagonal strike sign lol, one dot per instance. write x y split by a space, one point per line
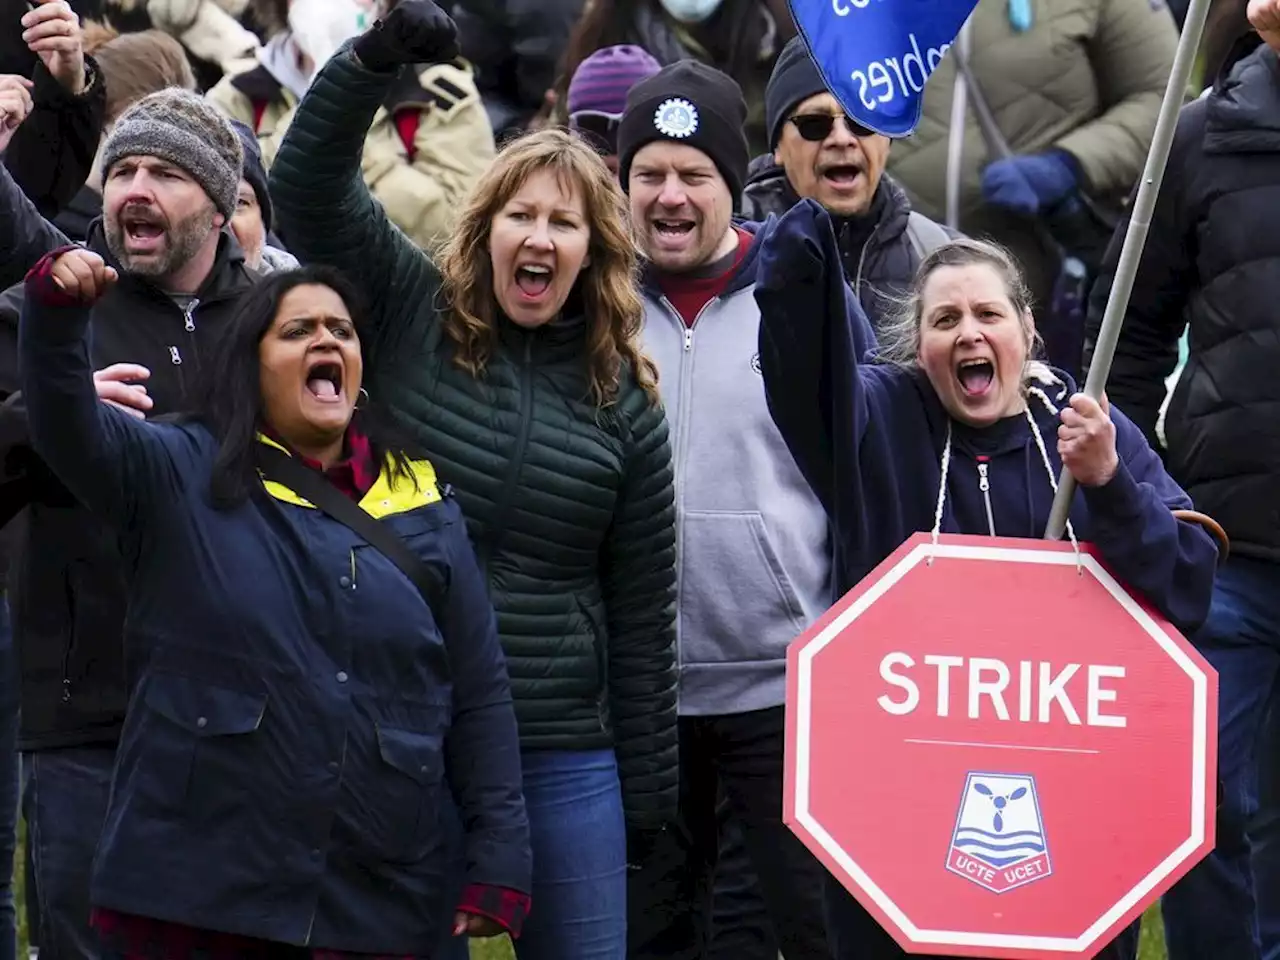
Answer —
999 750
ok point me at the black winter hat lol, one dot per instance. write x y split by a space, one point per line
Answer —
254 170
688 102
795 78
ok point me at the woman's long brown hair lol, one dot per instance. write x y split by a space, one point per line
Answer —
610 296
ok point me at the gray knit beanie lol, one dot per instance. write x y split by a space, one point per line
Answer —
184 129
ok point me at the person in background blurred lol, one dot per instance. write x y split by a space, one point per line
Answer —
1211 266
742 38
208 30
426 147
50 119
513 359
515 47
598 95
251 223
1073 87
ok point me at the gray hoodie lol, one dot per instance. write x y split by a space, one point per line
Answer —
754 566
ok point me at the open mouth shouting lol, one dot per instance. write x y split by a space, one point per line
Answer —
533 280
841 176
324 381
672 232
976 377
144 232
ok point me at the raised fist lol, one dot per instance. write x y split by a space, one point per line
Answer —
51 30
82 274
416 31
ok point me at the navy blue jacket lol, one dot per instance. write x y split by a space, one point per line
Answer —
869 439
297 712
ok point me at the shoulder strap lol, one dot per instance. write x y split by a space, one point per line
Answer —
277 465
925 235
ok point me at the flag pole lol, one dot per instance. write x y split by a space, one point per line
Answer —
1135 237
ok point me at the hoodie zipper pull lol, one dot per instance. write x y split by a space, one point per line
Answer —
984 484
188 316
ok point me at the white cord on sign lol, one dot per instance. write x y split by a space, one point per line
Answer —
942 491
1044 458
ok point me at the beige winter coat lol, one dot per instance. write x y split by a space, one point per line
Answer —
452 146
1088 78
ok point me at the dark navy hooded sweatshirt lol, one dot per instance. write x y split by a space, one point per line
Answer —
869 439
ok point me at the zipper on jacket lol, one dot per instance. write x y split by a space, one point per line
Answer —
680 417
984 484
515 467
188 316
71 641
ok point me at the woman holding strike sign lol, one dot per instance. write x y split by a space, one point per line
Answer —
954 427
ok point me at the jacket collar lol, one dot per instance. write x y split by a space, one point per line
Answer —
890 206
228 278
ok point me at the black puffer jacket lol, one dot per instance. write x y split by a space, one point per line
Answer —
1212 260
879 257
570 507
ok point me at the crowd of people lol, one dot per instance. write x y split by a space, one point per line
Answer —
426 425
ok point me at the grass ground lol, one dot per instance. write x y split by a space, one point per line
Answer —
500 948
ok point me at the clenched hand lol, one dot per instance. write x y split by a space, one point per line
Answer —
1087 441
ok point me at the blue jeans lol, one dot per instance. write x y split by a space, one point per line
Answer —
574 802
65 803
9 764
1228 906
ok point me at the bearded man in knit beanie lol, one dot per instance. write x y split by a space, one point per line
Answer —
171 170
756 551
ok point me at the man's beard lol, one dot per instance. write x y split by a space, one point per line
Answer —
181 243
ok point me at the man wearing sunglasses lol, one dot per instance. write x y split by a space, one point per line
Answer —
820 153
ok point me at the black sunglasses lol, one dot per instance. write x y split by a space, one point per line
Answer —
598 128
816 127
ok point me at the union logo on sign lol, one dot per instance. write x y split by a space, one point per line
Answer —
999 840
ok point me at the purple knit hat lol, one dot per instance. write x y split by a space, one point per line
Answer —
602 80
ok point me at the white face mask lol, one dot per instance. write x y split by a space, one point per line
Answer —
691 11
321 26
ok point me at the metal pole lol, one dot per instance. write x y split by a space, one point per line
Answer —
1135 238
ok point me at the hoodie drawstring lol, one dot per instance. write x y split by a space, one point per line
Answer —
1044 457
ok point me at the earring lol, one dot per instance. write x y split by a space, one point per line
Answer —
363 393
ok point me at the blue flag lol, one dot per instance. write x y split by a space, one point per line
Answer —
876 55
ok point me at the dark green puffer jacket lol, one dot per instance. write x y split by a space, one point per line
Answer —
570 507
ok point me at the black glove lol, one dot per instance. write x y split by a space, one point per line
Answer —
416 31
